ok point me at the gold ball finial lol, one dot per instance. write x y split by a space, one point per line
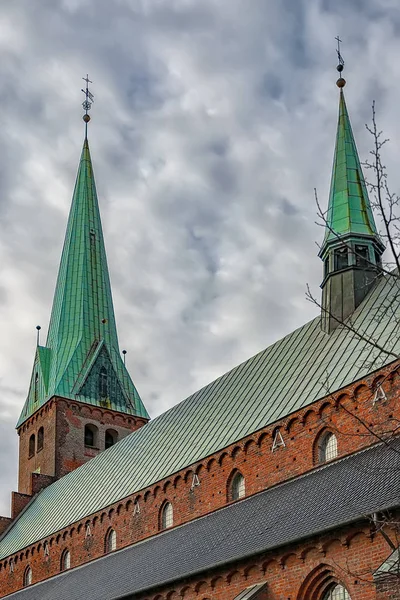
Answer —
341 82
86 118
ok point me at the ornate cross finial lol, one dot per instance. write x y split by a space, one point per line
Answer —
340 82
87 103
340 57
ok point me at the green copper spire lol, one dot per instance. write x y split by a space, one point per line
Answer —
352 248
349 209
81 359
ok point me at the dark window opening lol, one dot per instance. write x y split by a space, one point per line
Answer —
362 257
341 256
32 445
90 436
378 259
103 383
111 438
326 267
40 439
35 389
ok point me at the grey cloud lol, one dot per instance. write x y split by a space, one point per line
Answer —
212 124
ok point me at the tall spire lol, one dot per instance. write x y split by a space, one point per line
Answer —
349 209
81 359
352 248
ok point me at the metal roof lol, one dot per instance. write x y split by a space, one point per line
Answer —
349 209
82 339
363 483
292 373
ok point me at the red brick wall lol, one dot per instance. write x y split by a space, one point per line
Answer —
302 572
63 422
71 420
388 588
343 414
4 523
44 459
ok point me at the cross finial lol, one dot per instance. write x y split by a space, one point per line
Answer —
87 103
340 82
340 57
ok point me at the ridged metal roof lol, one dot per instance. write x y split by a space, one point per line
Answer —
349 209
363 483
292 373
82 339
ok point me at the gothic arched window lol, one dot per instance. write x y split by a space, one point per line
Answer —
238 489
32 445
337 592
27 576
103 383
91 435
110 541
111 438
167 516
65 563
327 447
40 439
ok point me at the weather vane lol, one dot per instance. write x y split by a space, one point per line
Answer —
340 82
87 103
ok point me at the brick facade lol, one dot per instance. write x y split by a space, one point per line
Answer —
63 425
351 414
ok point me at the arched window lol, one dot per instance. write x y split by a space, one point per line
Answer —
27 576
65 563
327 447
167 516
40 439
337 592
103 383
238 489
110 541
91 436
32 445
111 438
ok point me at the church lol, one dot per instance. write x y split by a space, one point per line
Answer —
280 480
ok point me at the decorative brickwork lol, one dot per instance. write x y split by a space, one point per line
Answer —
63 422
262 464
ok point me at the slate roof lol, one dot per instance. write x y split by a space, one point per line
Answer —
291 374
336 494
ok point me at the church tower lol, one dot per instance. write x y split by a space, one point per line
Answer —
352 249
81 399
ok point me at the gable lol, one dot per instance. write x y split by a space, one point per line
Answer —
102 382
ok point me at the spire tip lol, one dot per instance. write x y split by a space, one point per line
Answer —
87 103
340 82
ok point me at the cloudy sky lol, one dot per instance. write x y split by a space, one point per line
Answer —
213 121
